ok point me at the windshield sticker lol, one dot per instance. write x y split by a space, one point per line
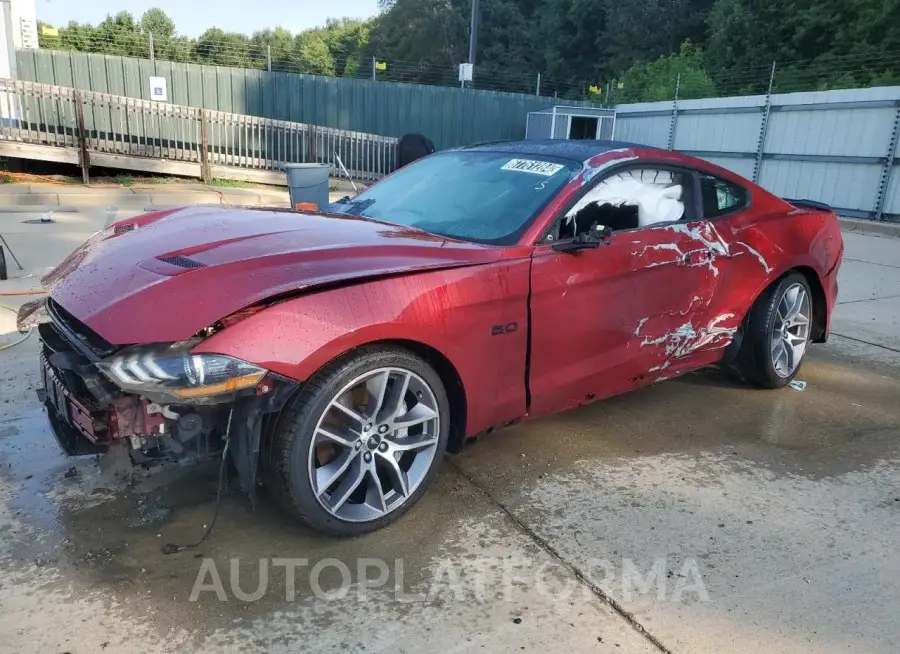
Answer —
545 168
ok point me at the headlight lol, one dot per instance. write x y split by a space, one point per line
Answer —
173 370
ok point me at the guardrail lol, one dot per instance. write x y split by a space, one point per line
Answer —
87 128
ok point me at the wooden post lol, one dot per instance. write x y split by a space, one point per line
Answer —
84 159
311 144
204 149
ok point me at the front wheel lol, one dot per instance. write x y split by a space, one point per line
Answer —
361 442
777 333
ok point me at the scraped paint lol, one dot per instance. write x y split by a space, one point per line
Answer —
712 240
687 339
756 254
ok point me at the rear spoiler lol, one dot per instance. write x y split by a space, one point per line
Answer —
809 204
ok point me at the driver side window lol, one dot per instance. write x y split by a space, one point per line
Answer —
629 199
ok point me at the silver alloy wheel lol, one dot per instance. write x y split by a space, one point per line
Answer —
790 332
374 444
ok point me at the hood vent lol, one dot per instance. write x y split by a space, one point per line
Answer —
182 262
121 229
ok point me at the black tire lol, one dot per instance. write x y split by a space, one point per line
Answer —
286 454
3 273
753 363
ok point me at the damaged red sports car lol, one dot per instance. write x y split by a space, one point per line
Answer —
335 356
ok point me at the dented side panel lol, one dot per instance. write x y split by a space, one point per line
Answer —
654 327
611 319
476 317
682 340
763 248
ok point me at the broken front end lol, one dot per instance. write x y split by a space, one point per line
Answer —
161 402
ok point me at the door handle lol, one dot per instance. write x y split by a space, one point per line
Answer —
696 258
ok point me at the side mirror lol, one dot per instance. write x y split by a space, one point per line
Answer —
601 232
589 240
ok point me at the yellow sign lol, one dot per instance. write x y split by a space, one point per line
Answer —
46 30
596 90
620 85
380 65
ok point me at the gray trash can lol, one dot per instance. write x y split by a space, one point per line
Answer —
308 182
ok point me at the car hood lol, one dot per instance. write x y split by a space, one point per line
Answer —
167 275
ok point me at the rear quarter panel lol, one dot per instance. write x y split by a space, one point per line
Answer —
764 245
769 239
451 311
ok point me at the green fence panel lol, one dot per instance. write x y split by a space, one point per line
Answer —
448 116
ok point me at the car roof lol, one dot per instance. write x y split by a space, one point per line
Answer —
576 150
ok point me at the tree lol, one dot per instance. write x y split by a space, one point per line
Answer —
281 44
77 37
422 40
220 48
119 35
346 38
572 43
311 48
157 22
745 39
49 42
644 82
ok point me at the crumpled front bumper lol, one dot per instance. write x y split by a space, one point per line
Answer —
71 440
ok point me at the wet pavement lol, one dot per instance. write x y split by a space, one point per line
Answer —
693 516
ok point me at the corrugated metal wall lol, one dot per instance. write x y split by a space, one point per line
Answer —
838 147
540 126
447 116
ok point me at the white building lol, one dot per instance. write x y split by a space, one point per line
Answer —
18 29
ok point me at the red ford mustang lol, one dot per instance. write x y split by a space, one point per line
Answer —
335 356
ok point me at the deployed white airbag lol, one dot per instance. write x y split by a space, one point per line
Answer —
654 193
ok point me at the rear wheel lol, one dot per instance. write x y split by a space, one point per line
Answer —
777 333
361 442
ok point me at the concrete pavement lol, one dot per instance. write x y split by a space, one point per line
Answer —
693 516
869 305
62 197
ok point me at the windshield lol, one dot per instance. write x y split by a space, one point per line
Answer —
487 197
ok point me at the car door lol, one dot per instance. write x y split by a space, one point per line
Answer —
632 311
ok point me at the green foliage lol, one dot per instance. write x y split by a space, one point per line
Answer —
157 22
719 47
232 183
656 80
313 53
335 49
422 40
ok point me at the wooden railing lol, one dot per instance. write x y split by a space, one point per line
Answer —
56 123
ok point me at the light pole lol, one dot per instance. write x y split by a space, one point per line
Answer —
473 32
473 37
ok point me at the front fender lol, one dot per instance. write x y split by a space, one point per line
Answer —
451 311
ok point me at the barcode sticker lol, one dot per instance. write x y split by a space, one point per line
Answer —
545 168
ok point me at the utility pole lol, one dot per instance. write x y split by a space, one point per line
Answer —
269 58
537 89
473 33
374 68
152 54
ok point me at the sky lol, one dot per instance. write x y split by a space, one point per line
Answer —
193 17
